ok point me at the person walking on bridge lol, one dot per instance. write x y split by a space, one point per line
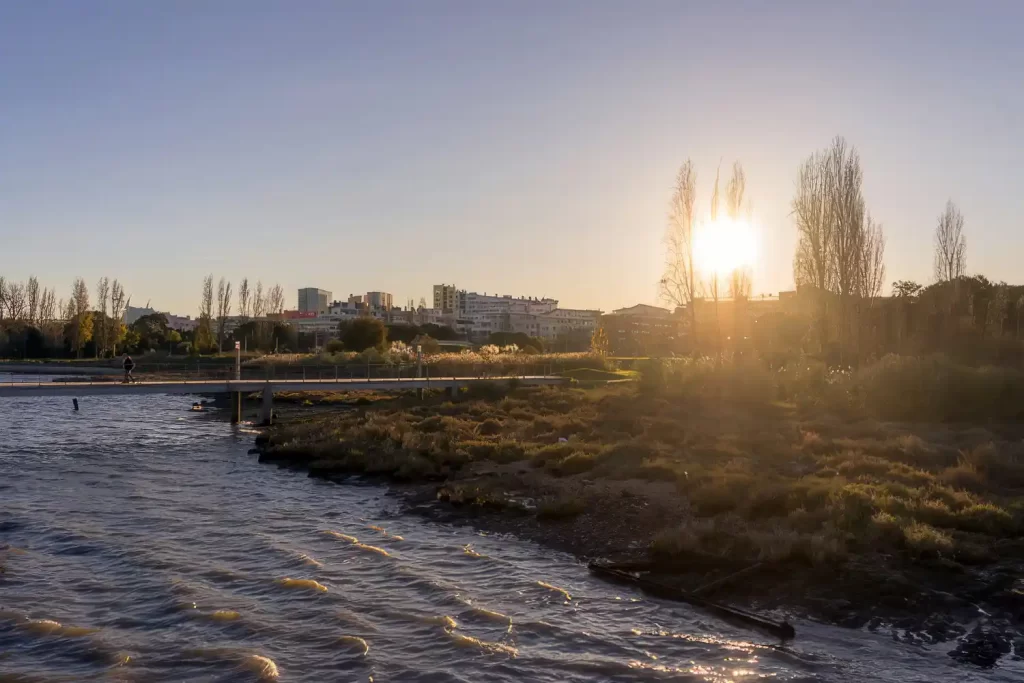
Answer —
128 364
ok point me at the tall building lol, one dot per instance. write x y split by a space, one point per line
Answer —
313 300
446 298
379 300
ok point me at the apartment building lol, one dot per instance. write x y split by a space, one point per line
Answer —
313 300
446 298
551 324
379 300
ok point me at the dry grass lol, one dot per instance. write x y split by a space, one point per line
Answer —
763 478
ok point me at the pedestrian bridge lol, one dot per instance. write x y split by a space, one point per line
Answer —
245 386
238 388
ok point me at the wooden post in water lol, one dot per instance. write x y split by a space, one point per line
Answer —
267 406
236 407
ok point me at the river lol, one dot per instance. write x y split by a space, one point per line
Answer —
140 542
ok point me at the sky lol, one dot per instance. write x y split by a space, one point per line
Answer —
524 148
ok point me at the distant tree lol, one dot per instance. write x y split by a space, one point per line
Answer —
130 342
679 283
17 303
259 301
32 298
599 343
740 279
47 306
363 333
152 332
441 332
3 297
840 250
275 300
223 310
950 245
103 327
334 346
244 301
428 345
204 330
79 319
283 338
403 333
871 261
118 305
906 289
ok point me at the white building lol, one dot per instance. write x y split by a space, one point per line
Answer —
549 325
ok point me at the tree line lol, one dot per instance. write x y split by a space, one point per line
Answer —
34 323
839 272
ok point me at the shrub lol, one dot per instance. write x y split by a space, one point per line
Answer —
334 346
575 463
933 388
924 539
489 428
363 333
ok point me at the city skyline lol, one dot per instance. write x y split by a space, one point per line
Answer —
530 151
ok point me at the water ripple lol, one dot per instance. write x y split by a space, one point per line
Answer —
140 542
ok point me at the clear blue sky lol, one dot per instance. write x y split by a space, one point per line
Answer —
515 147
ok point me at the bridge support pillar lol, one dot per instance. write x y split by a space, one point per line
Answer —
452 391
267 407
236 407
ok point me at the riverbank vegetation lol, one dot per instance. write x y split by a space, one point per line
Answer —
905 466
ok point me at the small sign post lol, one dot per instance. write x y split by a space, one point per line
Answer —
238 360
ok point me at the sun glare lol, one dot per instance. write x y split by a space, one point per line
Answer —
724 245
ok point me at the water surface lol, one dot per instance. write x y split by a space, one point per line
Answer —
142 543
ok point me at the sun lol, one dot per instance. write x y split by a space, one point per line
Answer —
724 245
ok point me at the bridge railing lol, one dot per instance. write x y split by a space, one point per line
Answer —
200 372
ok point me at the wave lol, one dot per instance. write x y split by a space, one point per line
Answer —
289 582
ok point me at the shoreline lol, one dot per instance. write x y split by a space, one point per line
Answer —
927 602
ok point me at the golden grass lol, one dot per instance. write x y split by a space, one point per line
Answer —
810 479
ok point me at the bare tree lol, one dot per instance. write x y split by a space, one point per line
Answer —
812 212
871 274
950 245
223 310
679 282
103 330
204 332
32 298
740 283
259 301
840 251
118 305
47 306
275 300
244 300
3 297
734 191
848 215
17 303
